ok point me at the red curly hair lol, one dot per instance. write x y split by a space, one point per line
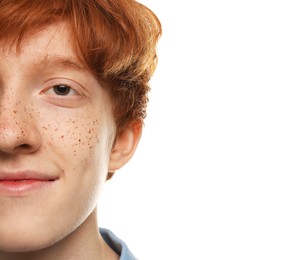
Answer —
115 39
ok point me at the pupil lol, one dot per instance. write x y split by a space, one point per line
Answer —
61 90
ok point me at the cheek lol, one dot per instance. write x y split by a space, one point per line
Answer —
79 148
78 142
73 138
79 137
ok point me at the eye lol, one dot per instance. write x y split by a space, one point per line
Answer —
61 90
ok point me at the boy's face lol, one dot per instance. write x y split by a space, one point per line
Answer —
56 133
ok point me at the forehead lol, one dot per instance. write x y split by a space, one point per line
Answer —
50 44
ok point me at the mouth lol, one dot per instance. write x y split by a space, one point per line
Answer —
24 183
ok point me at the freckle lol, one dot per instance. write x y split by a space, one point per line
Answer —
79 140
14 111
56 129
62 136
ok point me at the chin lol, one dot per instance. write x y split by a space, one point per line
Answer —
25 239
24 244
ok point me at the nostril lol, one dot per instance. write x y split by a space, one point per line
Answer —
25 146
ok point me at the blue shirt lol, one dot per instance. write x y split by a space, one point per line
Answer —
116 245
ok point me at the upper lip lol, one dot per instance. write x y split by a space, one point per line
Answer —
26 175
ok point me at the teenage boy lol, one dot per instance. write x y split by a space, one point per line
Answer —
73 91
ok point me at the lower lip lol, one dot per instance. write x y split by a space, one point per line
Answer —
22 187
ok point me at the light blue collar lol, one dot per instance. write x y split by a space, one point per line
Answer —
116 244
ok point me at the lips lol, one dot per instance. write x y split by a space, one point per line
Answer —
24 183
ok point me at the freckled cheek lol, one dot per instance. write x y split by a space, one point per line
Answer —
72 136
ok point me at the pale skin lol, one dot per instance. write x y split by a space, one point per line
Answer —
67 136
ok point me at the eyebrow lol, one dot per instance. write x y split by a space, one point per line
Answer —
63 62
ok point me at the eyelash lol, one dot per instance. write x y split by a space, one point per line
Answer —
63 92
52 90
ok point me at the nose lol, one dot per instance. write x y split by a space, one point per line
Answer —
18 134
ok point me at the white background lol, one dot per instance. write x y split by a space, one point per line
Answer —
211 177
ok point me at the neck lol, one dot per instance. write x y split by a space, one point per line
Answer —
83 243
